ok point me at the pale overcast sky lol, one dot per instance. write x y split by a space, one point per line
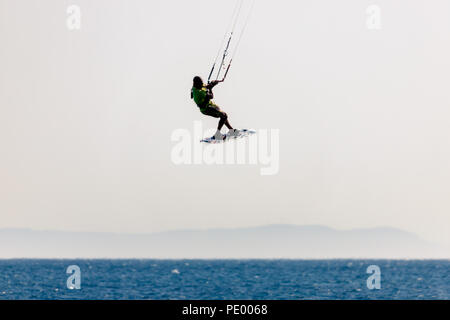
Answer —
86 116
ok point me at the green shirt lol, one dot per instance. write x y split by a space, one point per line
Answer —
199 96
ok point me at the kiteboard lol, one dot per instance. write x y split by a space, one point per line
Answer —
228 137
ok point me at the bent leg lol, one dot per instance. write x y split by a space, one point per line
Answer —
214 111
228 124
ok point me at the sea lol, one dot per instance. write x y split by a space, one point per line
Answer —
224 279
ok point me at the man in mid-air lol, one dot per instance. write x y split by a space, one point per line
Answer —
203 95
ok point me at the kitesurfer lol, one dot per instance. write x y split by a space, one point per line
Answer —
203 95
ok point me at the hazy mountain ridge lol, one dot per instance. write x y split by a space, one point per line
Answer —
272 241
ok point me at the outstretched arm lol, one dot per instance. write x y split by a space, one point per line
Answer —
209 87
212 84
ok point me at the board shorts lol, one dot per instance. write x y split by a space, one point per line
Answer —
212 110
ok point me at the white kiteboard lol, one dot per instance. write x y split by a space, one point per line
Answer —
242 134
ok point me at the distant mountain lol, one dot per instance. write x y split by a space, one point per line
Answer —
269 242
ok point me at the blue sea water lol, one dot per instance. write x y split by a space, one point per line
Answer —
224 279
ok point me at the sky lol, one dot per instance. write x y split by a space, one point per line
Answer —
86 116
